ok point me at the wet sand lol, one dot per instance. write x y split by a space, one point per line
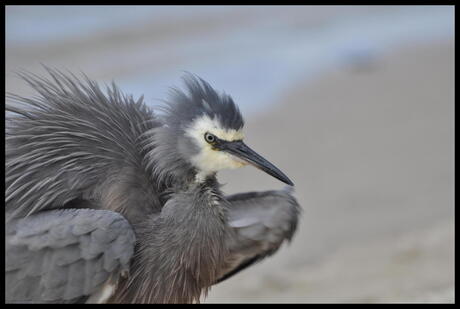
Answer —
371 155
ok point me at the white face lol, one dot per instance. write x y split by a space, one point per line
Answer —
209 160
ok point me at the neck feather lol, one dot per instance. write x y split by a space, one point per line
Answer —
181 251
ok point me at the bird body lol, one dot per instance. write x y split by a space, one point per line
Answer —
194 257
127 200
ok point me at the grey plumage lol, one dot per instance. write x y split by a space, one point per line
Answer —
63 255
86 170
201 99
261 221
74 142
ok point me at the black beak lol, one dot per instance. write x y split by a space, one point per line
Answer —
243 152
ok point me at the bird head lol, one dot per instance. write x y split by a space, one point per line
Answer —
206 128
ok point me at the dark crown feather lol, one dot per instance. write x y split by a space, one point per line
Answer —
201 99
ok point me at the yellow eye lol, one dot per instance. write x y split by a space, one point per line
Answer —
210 138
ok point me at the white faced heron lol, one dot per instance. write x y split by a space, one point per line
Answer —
106 201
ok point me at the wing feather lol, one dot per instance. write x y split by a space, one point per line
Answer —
63 255
261 222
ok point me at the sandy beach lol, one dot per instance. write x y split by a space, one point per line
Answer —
372 158
369 146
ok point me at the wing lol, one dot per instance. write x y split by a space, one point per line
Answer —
65 255
261 222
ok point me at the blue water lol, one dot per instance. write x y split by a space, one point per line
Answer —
254 64
48 23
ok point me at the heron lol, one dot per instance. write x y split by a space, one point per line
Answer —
109 200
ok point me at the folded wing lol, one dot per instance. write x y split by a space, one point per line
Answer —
65 255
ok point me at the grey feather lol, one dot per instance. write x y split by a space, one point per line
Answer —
67 266
201 98
74 141
261 222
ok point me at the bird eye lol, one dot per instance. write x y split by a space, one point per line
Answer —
209 137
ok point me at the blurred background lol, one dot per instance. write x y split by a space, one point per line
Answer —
354 103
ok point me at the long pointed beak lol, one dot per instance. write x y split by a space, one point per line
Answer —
243 152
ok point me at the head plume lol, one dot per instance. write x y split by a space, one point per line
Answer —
201 99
